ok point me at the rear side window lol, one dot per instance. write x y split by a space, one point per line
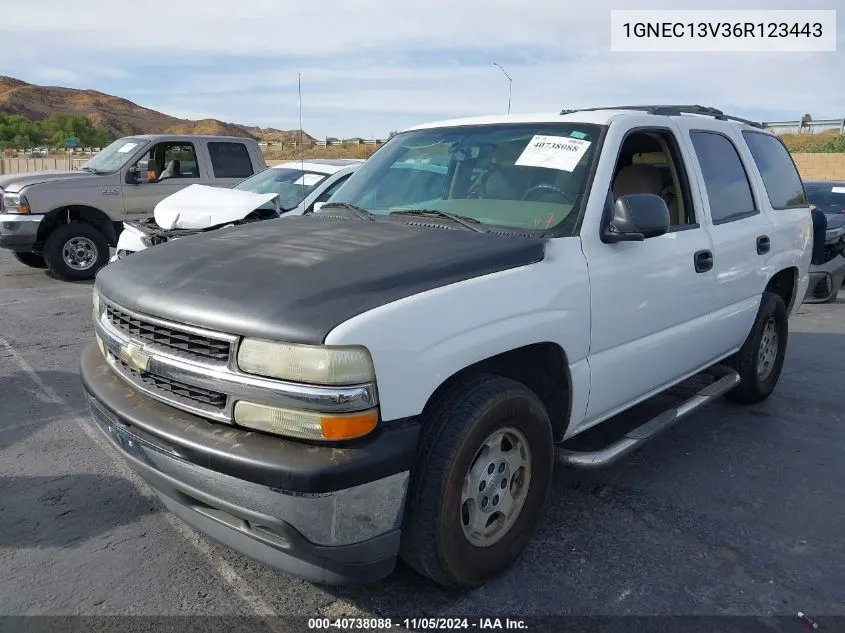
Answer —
781 179
728 189
230 160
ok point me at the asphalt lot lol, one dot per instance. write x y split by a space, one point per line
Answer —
735 511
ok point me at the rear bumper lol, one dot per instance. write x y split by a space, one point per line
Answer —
329 515
19 232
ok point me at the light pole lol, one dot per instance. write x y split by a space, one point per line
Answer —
510 82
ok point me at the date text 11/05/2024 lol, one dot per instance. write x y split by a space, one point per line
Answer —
415 624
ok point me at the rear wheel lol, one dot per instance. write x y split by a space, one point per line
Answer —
76 251
33 260
481 479
760 360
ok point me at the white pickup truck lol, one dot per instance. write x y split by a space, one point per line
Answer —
67 220
396 374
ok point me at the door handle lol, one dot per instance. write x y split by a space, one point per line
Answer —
764 244
703 261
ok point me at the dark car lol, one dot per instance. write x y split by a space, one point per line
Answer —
827 271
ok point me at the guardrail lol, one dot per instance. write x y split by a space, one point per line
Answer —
331 142
800 126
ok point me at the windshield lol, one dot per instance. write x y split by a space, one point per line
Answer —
292 185
828 197
525 176
114 156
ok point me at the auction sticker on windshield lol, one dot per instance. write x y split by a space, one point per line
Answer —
838 190
127 147
553 152
309 180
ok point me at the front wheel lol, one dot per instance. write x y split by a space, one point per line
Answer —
76 251
481 480
760 360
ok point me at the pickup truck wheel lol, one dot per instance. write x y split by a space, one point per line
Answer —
76 251
33 260
482 477
760 360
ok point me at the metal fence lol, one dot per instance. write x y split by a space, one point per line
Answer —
20 165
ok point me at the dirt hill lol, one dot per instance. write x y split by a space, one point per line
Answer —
119 116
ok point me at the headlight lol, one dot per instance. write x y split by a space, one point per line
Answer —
96 299
306 425
311 364
832 235
15 203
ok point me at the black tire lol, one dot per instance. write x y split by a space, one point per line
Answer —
62 236
754 386
454 428
33 260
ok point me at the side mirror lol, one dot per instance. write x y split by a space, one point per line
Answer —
636 217
140 173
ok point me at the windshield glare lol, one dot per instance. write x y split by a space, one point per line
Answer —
526 176
292 185
114 156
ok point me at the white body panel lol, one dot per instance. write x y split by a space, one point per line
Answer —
418 342
201 206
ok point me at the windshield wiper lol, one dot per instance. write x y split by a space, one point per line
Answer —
463 220
358 211
86 168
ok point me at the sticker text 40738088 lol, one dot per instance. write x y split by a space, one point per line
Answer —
553 152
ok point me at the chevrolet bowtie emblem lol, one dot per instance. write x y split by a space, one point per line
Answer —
132 355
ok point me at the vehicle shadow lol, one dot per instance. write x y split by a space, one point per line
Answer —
61 510
82 282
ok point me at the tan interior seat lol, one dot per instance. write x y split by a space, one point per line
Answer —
641 178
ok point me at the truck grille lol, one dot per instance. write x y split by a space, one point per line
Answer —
178 341
173 388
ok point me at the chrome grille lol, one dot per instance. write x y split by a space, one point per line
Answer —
175 388
179 341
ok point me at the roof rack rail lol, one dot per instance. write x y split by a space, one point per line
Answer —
673 110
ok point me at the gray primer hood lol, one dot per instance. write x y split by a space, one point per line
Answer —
295 279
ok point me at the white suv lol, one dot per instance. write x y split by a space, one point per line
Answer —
396 374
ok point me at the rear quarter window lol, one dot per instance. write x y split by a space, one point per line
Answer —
230 160
780 178
725 180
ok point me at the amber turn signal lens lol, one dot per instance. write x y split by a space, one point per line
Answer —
348 426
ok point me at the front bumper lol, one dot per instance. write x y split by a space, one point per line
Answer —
825 280
327 514
19 232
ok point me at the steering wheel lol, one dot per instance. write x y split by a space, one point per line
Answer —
565 197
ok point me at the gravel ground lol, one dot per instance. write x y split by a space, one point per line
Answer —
736 511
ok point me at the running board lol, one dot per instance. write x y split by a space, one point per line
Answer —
726 379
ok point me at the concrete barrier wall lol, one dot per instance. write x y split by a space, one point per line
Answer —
820 166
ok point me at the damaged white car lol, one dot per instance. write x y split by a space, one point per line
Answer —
289 189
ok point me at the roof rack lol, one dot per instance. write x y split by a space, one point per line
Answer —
672 110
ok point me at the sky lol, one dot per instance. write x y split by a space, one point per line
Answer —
371 66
